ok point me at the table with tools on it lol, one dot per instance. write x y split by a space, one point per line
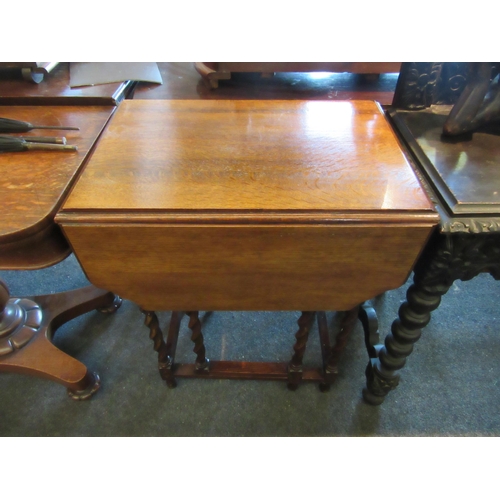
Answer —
33 186
214 205
38 167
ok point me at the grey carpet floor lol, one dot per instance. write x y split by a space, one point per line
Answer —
449 386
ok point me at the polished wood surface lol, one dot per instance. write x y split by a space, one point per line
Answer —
234 156
27 326
55 90
182 81
33 184
247 205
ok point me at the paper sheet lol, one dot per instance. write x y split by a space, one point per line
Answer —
98 73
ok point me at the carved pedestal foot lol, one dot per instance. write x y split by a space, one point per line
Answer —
94 383
113 307
27 326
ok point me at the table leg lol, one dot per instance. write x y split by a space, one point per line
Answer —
295 366
293 372
331 355
166 351
447 257
27 326
202 363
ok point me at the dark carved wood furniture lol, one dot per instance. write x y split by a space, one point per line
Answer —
32 188
472 88
212 72
463 178
190 205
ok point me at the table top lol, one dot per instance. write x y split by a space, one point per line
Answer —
247 205
466 172
33 184
55 90
233 157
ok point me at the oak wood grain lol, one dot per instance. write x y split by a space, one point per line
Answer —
273 267
33 184
248 155
247 205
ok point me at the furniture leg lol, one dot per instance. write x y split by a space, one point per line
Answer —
166 351
446 258
202 363
237 369
27 326
331 356
295 365
368 317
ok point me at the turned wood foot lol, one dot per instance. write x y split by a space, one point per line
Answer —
295 365
92 385
27 326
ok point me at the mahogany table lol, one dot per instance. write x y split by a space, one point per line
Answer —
462 177
32 187
246 205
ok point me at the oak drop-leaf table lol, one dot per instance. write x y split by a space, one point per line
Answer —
191 206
